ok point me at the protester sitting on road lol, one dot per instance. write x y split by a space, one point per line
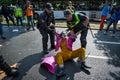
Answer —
112 19
10 72
1 26
65 42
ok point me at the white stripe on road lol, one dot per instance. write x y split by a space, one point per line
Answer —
0 45
99 57
108 42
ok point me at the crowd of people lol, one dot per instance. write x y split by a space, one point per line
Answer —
110 13
77 23
20 17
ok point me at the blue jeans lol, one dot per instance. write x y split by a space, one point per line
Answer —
110 22
30 22
1 30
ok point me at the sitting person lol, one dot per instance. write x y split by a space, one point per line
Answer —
65 43
10 72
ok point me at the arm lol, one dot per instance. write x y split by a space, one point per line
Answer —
42 21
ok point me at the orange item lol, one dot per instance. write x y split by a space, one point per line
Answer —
29 11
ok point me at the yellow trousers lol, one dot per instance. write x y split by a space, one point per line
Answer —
67 54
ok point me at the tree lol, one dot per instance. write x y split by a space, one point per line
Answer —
7 2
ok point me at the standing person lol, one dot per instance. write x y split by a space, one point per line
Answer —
46 25
7 13
104 13
71 7
18 14
78 23
29 14
112 20
1 29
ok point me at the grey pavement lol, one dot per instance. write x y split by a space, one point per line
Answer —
103 55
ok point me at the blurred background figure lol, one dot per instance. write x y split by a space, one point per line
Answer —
18 14
29 14
71 7
1 26
8 14
105 8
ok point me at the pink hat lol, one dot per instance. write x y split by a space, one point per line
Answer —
49 63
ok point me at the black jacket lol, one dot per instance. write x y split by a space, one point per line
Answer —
44 20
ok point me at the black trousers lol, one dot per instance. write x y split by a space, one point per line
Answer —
7 17
19 19
45 34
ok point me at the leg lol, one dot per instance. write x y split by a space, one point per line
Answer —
102 21
32 22
20 18
109 24
44 40
52 39
17 19
78 53
1 32
7 20
114 26
28 21
60 58
12 19
83 38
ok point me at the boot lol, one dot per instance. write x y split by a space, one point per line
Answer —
83 65
60 73
7 69
3 37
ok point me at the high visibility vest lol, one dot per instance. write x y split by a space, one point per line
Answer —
71 8
18 12
72 23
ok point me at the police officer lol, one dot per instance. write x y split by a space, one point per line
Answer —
78 23
46 23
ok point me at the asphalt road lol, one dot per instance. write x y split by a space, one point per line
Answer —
25 48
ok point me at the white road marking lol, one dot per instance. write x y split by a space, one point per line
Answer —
0 45
99 57
108 42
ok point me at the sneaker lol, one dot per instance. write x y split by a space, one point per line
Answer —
105 33
14 72
61 73
113 35
3 37
100 29
28 29
33 29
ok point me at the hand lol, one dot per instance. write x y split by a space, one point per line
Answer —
52 25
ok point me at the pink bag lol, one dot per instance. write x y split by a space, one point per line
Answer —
49 63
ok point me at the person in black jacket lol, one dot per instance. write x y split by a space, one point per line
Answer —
46 25
7 13
10 72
